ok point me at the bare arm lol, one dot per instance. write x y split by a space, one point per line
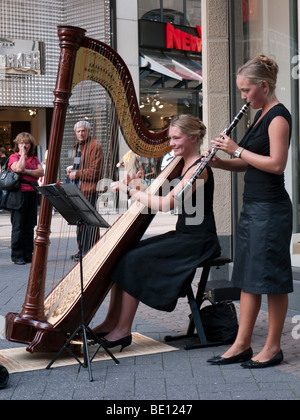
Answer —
275 163
20 168
156 202
233 165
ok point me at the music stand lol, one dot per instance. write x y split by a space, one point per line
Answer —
77 210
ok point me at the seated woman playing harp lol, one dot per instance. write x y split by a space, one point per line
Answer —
159 270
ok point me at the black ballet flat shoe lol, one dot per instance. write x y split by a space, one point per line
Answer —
123 342
19 262
3 377
242 357
252 364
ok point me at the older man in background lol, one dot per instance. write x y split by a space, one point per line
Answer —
86 172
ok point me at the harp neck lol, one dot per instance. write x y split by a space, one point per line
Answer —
98 62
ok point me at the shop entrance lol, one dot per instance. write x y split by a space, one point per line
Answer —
8 132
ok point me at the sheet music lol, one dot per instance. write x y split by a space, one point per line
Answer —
72 204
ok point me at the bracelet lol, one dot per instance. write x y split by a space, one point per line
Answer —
128 191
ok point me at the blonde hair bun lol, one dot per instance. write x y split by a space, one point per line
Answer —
259 69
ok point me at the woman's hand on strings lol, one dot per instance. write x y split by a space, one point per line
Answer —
134 181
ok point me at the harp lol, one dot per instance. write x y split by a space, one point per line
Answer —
45 323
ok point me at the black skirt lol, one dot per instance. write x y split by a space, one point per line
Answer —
262 263
158 271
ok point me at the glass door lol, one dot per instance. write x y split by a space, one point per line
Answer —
270 27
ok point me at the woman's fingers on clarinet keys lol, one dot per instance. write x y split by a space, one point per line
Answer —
206 153
215 143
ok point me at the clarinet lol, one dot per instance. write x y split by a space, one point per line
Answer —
202 165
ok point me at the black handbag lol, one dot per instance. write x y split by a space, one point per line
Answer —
220 322
13 200
9 180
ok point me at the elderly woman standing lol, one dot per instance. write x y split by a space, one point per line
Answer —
24 218
262 261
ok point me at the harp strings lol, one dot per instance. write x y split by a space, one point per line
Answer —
103 117
68 290
96 75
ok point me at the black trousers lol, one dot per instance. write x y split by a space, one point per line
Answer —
89 234
23 222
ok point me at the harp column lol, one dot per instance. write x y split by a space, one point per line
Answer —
70 39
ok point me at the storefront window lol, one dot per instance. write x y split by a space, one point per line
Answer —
159 106
193 12
177 5
269 26
146 6
178 12
170 76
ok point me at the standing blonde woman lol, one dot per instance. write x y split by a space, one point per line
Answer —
262 260
24 213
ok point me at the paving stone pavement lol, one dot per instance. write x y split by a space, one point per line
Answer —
179 377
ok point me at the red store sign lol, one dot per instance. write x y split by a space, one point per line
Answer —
160 35
182 40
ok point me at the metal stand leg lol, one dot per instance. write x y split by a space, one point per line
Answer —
83 328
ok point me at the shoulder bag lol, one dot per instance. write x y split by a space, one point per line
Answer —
220 322
9 180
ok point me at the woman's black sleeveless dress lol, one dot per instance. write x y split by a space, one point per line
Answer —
158 271
262 262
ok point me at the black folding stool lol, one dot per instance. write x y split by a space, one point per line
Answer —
199 340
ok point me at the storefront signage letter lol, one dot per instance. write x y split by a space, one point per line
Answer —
21 57
183 41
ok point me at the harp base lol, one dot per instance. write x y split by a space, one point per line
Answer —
39 336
